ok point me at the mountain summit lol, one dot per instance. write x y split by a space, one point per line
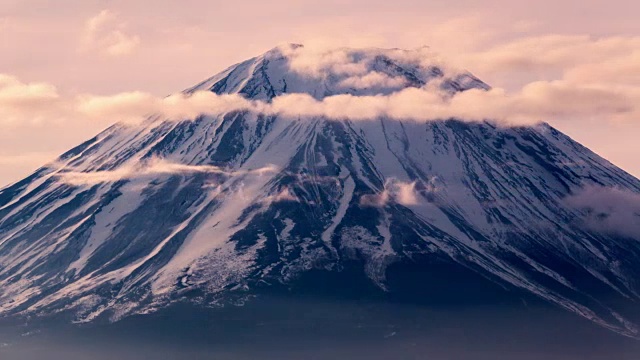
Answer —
215 208
294 69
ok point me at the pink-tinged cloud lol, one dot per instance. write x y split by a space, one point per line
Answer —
556 100
396 191
284 195
106 34
608 209
149 168
570 80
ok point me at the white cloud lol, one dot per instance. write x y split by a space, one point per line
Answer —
355 64
621 69
609 209
609 61
375 200
574 97
106 34
125 107
549 52
153 167
38 43
26 102
134 106
14 92
285 195
403 193
319 62
612 93
38 104
538 101
150 168
586 92
372 79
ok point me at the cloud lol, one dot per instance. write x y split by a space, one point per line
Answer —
106 34
539 101
40 103
27 102
372 79
608 62
125 107
610 94
566 99
14 92
285 195
375 200
580 77
622 69
320 62
536 102
608 209
132 107
40 43
150 168
403 193
356 64
554 100
549 52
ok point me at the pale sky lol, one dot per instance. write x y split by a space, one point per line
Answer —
72 48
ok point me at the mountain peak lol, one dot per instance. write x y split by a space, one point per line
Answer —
294 68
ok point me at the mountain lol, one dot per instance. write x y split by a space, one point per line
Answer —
220 208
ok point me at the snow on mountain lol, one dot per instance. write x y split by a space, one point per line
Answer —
144 215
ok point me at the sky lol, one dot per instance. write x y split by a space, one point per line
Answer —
576 63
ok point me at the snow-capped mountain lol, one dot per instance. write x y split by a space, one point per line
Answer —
210 208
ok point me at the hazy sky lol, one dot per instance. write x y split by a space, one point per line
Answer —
69 49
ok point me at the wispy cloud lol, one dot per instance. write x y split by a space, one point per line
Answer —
22 102
538 101
150 168
608 209
284 195
372 79
506 44
543 54
107 34
403 193
585 91
590 80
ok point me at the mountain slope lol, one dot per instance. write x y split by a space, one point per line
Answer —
214 207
